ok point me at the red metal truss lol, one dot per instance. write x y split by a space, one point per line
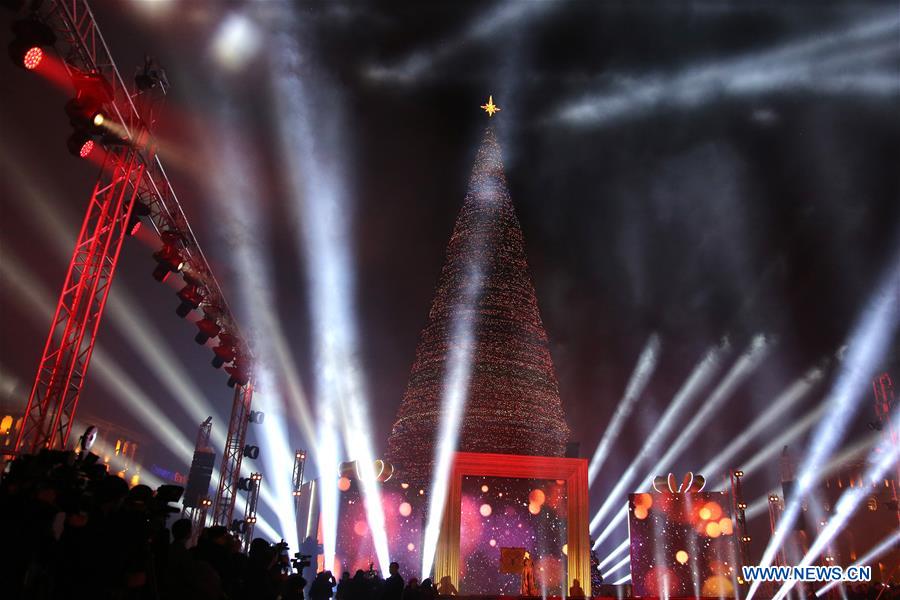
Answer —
134 173
230 471
50 412
84 51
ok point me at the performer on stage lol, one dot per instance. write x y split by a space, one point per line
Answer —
529 588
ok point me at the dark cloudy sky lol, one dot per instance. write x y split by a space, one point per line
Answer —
695 171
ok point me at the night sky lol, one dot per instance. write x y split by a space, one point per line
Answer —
695 171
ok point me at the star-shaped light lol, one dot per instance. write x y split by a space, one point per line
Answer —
490 108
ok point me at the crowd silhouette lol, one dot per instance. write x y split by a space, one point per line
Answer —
71 530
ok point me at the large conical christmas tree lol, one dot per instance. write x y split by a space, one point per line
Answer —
513 404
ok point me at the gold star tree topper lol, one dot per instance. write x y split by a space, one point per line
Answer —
490 108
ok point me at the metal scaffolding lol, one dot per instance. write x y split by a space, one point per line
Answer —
132 173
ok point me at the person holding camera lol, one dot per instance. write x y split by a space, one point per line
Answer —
322 587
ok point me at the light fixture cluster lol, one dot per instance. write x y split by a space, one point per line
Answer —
228 351
86 112
90 112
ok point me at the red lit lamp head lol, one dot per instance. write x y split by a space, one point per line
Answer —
80 144
27 49
32 58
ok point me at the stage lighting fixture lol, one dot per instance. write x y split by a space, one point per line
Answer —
150 76
251 452
191 296
256 417
239 526
168 258
85 110
87 440
137 212
80 144
225 351
239 373
247 483
208 328
27 49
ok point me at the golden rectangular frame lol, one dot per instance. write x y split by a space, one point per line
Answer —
572 470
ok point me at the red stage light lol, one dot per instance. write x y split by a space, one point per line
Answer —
208 328
86 149
191 296
32 58
26 50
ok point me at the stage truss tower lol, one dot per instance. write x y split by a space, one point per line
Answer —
249 523
297 478
230 471
739 506
132 172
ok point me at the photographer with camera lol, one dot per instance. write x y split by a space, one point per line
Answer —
322 586
76 528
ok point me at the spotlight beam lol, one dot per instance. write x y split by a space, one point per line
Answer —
742 368
238 191
483 28
774 446
624 562
236 185
456 387
123 310
612 555
851 453
277 455
868 344
846 506
322 210
616 521
37 304
700 377
785 400
883 546
640 377
787 67
745 365
759 506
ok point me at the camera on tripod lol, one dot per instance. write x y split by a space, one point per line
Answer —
301 561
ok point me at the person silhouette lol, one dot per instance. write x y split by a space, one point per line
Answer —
529 587
446 587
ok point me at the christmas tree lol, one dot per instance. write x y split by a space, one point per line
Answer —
513 404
